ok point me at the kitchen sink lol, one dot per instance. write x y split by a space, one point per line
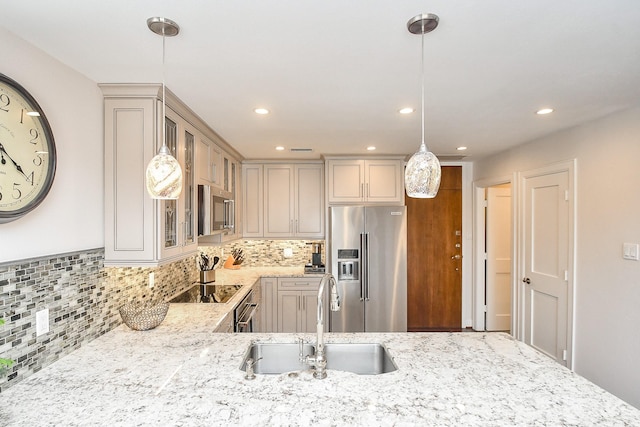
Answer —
358 358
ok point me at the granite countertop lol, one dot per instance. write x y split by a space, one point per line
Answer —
206 317
181 374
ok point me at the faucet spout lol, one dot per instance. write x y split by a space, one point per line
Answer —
319 361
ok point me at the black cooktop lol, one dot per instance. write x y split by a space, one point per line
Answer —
207 293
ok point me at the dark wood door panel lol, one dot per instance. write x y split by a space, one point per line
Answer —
434 278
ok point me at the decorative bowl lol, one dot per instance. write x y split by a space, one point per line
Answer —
143 317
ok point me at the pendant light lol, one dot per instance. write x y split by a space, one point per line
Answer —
422 174
164 175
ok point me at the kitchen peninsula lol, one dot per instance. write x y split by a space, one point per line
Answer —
182 374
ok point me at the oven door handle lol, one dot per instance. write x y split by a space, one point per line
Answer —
245 318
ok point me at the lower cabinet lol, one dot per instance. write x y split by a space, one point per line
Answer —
226 326
289 304
297 311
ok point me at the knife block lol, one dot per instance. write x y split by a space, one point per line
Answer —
228 264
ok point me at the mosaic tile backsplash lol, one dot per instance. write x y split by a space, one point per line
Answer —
83 297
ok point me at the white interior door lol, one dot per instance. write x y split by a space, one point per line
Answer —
498 248
546 256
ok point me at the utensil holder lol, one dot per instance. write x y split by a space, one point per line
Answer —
207 276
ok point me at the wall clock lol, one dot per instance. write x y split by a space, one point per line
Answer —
27 152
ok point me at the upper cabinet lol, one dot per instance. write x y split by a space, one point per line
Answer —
372 181
138 229
283 200
209 157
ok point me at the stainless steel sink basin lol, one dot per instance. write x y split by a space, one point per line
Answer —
278 358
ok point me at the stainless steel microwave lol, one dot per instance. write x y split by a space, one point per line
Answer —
216 211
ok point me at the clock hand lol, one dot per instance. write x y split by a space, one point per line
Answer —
12 161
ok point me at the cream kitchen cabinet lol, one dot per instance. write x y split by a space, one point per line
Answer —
371 181
269 302
141 231
284 200
252 200
297 304
209 167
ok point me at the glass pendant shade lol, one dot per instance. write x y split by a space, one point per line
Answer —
164 176
422 174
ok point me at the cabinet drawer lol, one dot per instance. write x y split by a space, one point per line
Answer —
298 283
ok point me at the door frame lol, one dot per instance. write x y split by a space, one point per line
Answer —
479 274
569 166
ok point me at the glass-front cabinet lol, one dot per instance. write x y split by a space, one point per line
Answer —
178 216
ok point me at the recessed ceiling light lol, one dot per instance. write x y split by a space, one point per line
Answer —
371 148
261 111
280 148
461 148
406 110
544 111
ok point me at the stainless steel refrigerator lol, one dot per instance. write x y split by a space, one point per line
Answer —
368 258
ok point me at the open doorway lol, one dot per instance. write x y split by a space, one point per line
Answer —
493 299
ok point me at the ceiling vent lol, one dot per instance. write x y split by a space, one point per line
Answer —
301 150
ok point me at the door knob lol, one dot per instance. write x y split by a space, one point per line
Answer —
456 256
526 280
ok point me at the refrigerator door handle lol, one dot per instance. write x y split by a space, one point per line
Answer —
362 267
365 256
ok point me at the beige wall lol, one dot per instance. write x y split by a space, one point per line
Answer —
607 288
71 217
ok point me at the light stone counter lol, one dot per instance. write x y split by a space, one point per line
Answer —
181 375
206 317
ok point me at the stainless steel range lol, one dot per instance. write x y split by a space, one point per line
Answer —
207 293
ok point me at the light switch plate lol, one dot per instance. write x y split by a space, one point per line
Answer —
42 322
631 251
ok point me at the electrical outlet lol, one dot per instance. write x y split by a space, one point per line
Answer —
152 279
288 252
42 322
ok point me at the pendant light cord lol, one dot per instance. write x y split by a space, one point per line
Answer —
422 145
164 115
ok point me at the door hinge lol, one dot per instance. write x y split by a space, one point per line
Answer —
485 203
484 308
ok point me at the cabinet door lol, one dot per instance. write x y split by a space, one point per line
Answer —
269 303
288 311
309 313
253 201
188 203
309 201
177 217
169 208
209 160
278 200
384 182
346 181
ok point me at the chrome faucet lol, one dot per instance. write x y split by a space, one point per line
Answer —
319 361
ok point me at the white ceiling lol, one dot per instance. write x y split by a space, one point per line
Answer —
335 72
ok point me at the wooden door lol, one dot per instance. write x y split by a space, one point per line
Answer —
434 257
546 263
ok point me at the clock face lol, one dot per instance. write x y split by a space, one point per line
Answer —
27 152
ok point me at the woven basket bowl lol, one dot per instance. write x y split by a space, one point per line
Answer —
141 317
